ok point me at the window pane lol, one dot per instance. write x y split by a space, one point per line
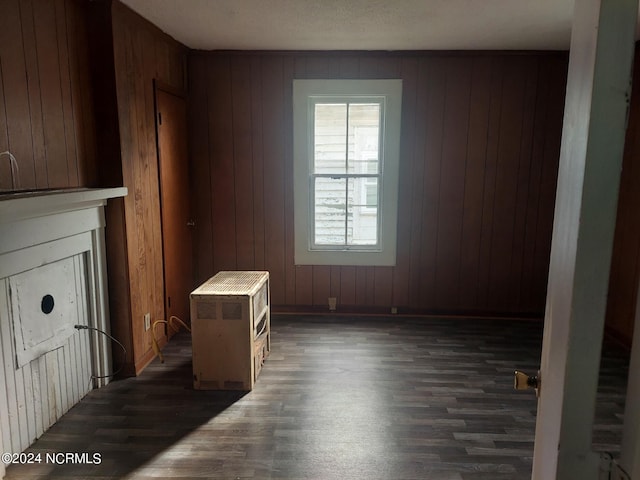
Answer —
364 138
371 192
330 211
362 214
330 138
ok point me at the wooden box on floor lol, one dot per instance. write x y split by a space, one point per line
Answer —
231 330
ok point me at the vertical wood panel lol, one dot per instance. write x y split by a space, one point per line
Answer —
10 423
383 286
200 169
321 284
522 180
504 207
45 85
430 201
370 285
304 285
274 175
155 274
258 162
28 390
15 94
223 216
418 123
33 87
146 234
83 92
128 115
67 375
162 59
334 283
46 41
60 379
489 179
242 161
5 168
31 423
66 93
455 124
347 295
52 384
361 287
528 284
476 151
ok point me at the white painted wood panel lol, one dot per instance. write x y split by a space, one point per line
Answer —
39 392
35 330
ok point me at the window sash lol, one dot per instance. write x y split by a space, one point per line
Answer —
350 224
347 217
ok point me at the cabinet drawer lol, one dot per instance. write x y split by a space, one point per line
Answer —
261 353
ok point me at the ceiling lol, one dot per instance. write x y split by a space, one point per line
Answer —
362 24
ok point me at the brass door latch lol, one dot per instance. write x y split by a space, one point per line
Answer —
522 381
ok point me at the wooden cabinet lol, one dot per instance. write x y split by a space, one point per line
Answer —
231 330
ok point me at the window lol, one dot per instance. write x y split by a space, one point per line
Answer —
346 155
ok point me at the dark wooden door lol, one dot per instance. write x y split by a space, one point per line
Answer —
171 121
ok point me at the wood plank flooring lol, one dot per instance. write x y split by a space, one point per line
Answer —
339 398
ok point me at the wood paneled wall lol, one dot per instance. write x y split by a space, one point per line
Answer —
625 262
479 153
142 54
46 109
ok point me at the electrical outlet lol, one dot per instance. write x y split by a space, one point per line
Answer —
394 310
333 301
147 321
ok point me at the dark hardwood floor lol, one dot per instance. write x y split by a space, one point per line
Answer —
339 398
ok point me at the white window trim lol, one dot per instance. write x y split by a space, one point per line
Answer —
302 91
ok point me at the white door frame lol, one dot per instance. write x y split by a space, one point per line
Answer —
598 92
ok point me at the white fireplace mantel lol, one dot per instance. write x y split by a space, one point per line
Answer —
23 215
